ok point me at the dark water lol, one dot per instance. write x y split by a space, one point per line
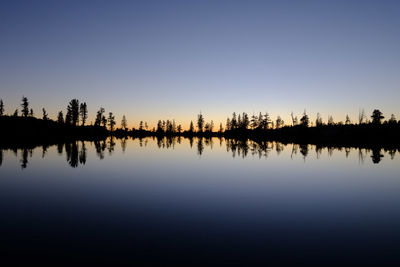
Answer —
198 202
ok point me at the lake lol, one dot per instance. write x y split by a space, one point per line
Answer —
199 202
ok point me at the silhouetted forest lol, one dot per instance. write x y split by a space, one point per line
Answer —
23 126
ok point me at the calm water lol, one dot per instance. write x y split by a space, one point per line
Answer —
197 201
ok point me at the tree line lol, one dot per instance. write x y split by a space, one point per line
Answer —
77 115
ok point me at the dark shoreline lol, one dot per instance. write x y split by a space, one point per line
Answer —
31 132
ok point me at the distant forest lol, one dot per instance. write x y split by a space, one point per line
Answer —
24 124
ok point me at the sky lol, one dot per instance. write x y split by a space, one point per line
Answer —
153 60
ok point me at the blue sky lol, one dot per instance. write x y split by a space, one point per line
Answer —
155 60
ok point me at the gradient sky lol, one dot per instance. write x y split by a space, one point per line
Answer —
155 60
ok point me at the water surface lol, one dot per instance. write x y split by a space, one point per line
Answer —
199 201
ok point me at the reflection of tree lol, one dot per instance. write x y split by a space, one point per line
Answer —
76 152
123 144
208 142
361 156
191 141
295 148
60 147
279 148
44 150
376 155
160 142
330 151
347 150
200 146
304 150
24 159
71 150
100 146
111 145
318 151
82 153
392 152
140 141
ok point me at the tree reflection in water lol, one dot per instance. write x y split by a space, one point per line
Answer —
76 151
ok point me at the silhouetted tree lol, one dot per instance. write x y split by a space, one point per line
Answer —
361 116
191 127
200 123
1 107
253 122
73 110
68 117
173 126
233 124
228 124
245 122
279 122
25 106
160 128
377 116
318 121
330 120
141 126
179 128
83 111
31 113
207 127
15 113
294 119
60 117
392 119
267 121
124 123
347 122
221 129
305 120
99 117
104 121
111 121
45 118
